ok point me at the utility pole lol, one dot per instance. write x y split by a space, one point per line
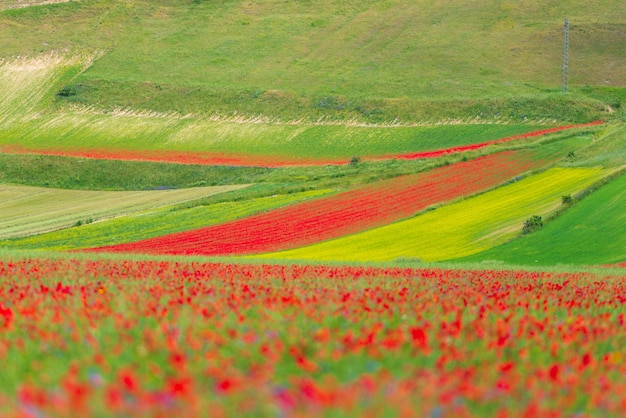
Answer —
565 65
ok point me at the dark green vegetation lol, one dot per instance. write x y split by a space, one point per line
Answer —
366 60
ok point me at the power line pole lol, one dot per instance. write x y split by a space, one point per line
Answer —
565 65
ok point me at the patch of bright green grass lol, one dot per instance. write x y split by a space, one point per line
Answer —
607 149
92 174
462 228
593 231
148 224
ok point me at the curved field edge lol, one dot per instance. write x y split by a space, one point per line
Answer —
462 228
147 224
592 231
366 207
271 146
27 210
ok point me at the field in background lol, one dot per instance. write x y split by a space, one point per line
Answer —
265 85
573 238
150 223
363 60
31 126
374 205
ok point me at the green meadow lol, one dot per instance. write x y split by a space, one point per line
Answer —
366 60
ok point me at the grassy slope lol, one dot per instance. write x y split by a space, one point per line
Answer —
462 228
591 232
321 59
329 58
33 125
30 210
70 131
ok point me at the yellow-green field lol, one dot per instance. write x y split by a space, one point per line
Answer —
457 230
26 210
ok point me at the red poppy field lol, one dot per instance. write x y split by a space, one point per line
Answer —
346 213
157 338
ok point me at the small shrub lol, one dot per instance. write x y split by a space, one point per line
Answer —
567 200
67 91
355 160
532 224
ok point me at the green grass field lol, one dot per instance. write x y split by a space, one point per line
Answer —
315 79
71 131
462 228
33 125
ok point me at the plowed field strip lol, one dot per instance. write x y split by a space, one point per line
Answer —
342 214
